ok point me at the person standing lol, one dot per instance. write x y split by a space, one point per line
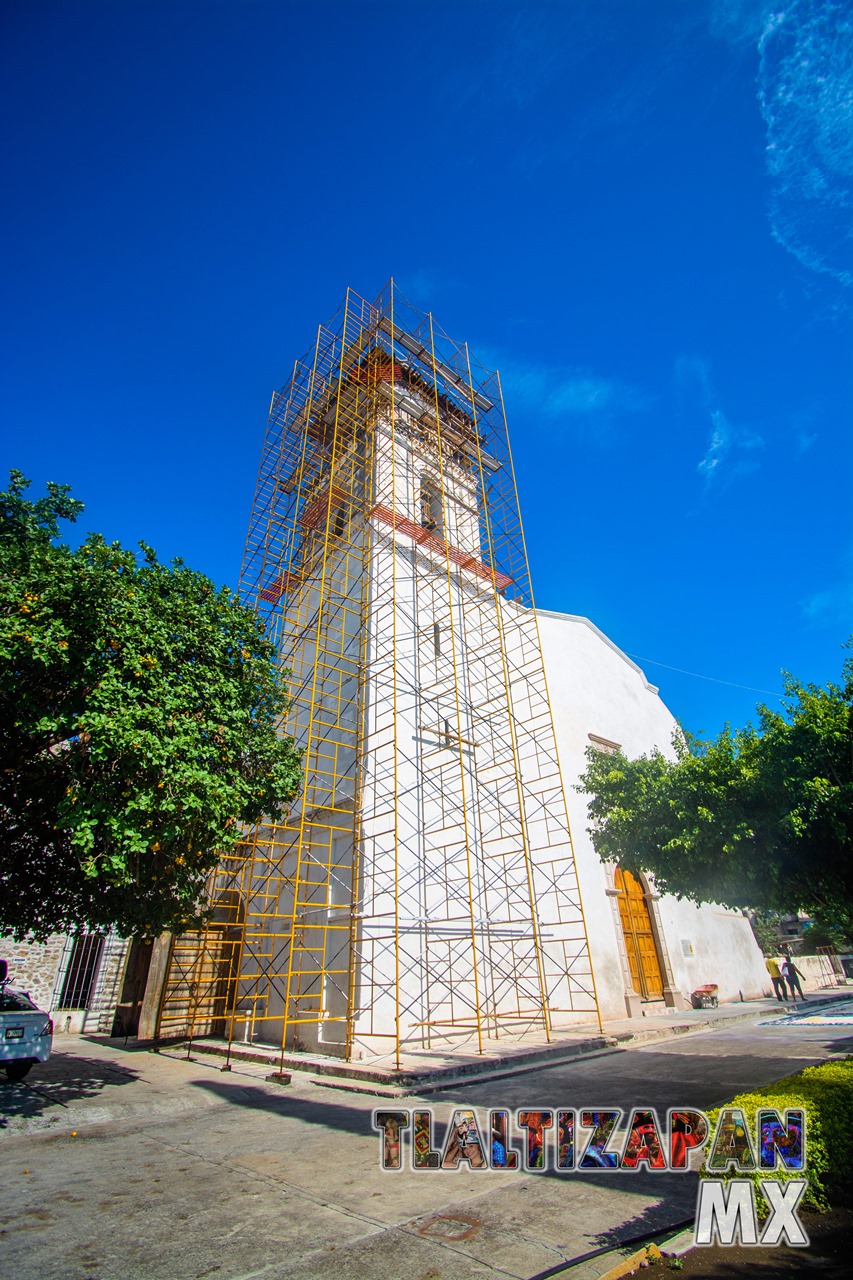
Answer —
792 976
776 978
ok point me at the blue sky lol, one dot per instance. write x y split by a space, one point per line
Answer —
638 211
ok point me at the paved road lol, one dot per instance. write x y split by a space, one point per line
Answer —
179 1172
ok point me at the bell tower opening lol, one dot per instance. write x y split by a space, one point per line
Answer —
429 505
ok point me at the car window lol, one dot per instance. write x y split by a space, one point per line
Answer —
15 1002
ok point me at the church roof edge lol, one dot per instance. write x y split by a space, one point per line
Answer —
576 617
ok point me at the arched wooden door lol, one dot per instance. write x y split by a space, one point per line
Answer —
640 944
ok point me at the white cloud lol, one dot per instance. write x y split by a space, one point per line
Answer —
806 95
718 447
741 22
831 607
573 394
730 448
806 440
832 604
805 91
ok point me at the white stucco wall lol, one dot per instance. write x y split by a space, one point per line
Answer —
596 689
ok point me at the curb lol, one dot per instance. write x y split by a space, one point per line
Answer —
679 1245
649 1256
627 1266
384 1083
625 1259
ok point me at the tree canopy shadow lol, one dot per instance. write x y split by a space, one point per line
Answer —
63 1079
673 1203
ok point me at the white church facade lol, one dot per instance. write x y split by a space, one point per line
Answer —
433 889
648 950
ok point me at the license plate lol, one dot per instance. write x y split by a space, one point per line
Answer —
14 1033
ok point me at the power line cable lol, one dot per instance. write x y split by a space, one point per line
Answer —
713 679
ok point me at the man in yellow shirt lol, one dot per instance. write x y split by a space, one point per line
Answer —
776 978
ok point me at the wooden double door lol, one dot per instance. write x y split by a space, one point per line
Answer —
640 943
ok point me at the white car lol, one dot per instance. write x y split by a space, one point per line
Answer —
26 1033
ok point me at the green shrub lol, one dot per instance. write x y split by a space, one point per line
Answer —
825 1093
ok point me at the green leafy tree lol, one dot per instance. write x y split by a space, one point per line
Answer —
766 931
824 935
138 714
760 818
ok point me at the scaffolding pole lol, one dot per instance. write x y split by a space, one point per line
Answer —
422 892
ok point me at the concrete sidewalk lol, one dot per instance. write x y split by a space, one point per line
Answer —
424 1072
121 1164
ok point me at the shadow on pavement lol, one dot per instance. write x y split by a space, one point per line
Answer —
700 1074
673 1203
673 1194
63 1079
327 1115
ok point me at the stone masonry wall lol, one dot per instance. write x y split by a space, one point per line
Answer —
33 966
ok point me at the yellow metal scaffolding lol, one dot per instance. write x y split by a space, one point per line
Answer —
422 892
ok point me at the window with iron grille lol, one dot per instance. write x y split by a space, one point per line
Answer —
84 955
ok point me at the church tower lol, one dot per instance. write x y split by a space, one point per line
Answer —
421 894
